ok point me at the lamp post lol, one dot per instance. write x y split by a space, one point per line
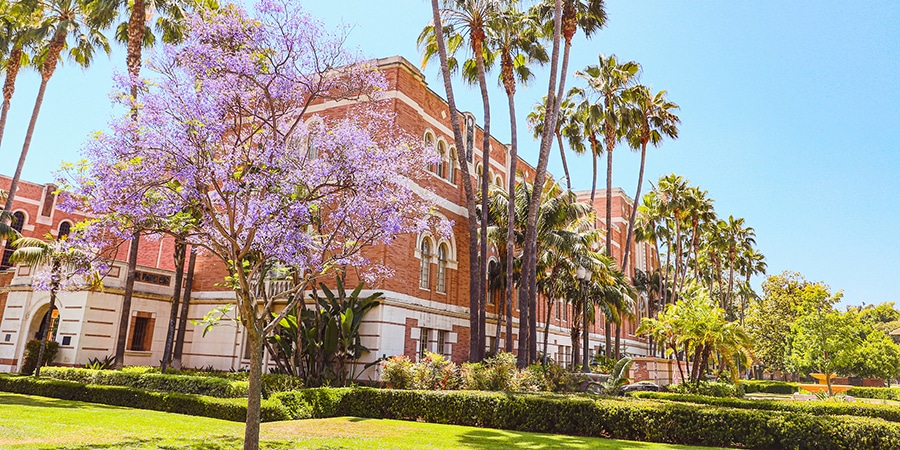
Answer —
584 275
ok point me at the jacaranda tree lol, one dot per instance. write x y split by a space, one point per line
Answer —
222 131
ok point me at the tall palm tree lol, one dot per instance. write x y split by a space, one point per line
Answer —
6 230
609 80
465 22
514 36
753 262
65 263
653 119
20 26
567 126
440 48
70 27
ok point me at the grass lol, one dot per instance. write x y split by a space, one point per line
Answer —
38 422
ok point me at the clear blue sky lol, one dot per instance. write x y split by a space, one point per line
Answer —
789 111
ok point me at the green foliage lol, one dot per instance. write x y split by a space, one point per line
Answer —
435 371
618 377
877 356
550 377
642 420
397 372
603 363
768 386
708 388
32 348
875 392
185 384
234 409
769 318
823 340
106 363
498 373
890 413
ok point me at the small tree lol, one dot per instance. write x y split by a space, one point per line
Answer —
222 132
822 339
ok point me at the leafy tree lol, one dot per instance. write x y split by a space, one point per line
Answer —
877 356
224 144
822 339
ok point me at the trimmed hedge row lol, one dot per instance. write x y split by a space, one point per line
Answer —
234 409
875 392
185 384
769 386
890 413
633 419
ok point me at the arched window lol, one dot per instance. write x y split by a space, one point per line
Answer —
425 265
18 221
442 153
442 269
499 181
429 144
493 281
478 171
451 166
64 229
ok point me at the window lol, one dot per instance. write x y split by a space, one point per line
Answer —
152 278
425 265
441 342
489 344
442 269
493 281
499 181
18 221
429 144
451 166
141 332
424 337
64 229
442 153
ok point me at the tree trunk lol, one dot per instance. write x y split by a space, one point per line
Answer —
14 185
634 209
13 64
547 329
619 339
254 390
562 156
474 282
575 332
511 218
607 330
125 316
185 306
179 255
586 355
485 181
551 109
49 321
609 225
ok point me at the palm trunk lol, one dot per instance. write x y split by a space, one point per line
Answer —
485 179
180 250
637 202
125 316
13 65
607 330
575 332
562 156
547 329
619 339
551 115
609 225
14 185
185 306
586 356
474 281
511 211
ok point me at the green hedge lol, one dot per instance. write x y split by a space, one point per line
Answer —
768 386
234 409
887 412
642 420
875 392
185 384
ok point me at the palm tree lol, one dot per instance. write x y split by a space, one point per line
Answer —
440 48
566 126
6 230
70 27
65 262
753 262
652 119
466 22
609 80
19 28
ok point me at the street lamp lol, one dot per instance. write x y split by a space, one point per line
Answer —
584 275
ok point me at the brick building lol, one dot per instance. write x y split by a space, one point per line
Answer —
426 301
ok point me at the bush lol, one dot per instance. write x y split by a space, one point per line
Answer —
32 349
710 388
185 384
890 413
234 409
768 387
397 372
551 377
497 373
875 392
435 371
604 417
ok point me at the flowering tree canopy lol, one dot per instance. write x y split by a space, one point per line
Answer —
226 141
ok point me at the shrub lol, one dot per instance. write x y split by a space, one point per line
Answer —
604 417
32 349
710 388
185 384
768 386
890 413
234 409
497 373
551 377
397 372
435 371
101 364
875 392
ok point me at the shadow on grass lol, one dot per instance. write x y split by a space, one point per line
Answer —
47 402
496 439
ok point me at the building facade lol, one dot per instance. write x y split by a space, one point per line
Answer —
425 305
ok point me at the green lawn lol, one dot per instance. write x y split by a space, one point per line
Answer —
38 422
